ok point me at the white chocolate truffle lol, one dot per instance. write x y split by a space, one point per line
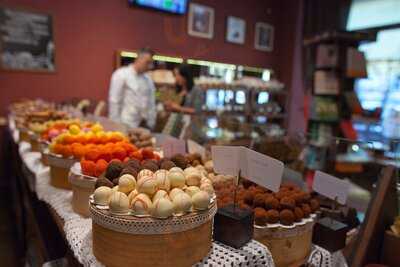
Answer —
182 203
193 178
162 208
201 200
189 170
208 188
176 169
144 173
141 205
147 185
160 194
162 179
102 195
209 166
115 189
132 195
200 168
119 203
191 190
177 179
174 192
126 183
205 180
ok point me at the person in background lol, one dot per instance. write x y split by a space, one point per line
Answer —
191 96
132 93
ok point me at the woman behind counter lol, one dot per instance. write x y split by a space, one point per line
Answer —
191 96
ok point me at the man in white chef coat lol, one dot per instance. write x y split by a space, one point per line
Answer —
132 93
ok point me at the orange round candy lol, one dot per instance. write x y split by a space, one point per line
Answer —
137 155
147 153
92 154
88 167
119 153
101 166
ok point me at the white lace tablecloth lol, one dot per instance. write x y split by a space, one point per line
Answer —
78 230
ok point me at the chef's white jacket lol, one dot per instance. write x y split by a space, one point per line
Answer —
131 97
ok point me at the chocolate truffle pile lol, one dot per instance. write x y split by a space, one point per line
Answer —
287 206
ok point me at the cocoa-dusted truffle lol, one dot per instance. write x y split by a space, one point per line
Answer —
272 216
135 164
103 182
306 209
244 206
314 205
114 170
287 203
271 203
248 198
286 217
260 216
149 165
247 183
129 170
180 161
298 213
259 200
298 198
281 194
167 165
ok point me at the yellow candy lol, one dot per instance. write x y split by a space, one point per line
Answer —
74 129
96 128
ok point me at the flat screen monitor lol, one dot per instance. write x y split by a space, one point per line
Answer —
171 6
240 97
215 99
262 98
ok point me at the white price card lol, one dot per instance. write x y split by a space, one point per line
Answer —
173 146
331 186
194 147
226 159
263 170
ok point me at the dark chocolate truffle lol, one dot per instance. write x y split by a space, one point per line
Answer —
271 203
103 182
248 198
286 217
246 183
150 166
298 213
287 203
260 216
180 161
272 216
115 181
167 165
298 198
306 209
135 164
129 170
314 205
114 170
259 200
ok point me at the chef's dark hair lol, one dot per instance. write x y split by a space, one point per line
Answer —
186 72
145 50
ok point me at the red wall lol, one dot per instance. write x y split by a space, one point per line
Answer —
89 32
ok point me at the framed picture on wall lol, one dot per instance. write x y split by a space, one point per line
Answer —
26 40
201 21
264 39
235 30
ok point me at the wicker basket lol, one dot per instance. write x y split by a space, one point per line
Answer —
59 170
289 246
148 242
82 187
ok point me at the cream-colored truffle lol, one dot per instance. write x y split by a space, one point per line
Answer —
201 200
119 203
177 179
115 189
176 169
205 180
193 178
182 203
162 208
174 192
141 205
191 190
147 185
209 166
144 173
132 195
189 170
102 195
162 179
160 194
208 188
126 183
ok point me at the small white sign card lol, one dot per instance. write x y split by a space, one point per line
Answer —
256 167
194 147
173 146
331 186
